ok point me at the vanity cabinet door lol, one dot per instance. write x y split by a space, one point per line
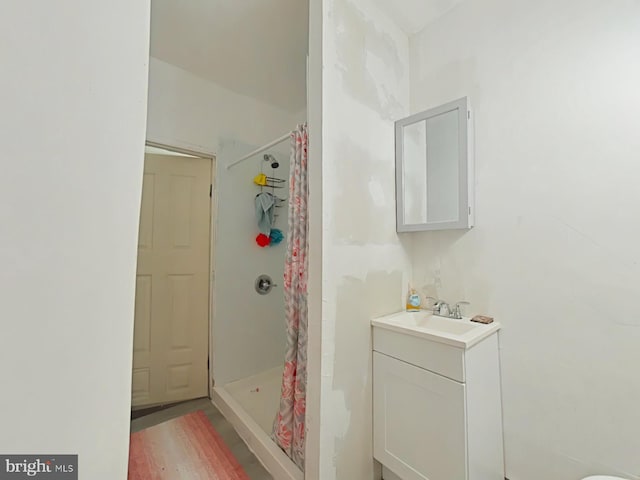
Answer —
419 421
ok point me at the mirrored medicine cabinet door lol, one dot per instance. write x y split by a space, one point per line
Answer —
434 169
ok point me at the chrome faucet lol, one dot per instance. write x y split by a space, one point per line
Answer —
442 309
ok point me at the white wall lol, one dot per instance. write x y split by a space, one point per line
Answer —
364 266
73 94
554 255
313 414
189 112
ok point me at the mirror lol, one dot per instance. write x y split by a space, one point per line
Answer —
434 170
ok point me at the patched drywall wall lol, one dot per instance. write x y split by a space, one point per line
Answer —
365 266
73 92
553 256
190 112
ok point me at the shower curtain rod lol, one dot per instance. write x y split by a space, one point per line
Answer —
260 150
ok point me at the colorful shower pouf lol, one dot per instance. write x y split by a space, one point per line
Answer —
276 236
263 240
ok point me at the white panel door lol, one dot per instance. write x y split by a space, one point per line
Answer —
171 330
419 421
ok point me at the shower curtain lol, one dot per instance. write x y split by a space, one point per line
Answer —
288 427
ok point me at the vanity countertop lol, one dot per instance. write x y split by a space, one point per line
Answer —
461 333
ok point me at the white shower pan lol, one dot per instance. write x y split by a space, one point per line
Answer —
250 405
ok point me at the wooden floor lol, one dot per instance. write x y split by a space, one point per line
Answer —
248 461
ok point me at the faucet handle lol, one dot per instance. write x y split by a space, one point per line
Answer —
437 305
457 311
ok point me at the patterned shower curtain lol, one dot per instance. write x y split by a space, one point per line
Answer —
288 427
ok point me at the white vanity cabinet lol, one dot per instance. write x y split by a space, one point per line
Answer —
437 411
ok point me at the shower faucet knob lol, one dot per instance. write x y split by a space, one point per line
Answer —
264 284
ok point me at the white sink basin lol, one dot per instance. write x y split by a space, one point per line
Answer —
461 333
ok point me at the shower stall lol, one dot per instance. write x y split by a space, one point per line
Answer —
248 328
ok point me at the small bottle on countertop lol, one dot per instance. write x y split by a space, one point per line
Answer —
413 300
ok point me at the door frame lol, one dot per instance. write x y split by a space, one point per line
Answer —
213 208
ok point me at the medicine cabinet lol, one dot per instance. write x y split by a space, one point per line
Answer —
434 169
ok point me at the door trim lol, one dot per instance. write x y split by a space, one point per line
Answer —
213 208
185 151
